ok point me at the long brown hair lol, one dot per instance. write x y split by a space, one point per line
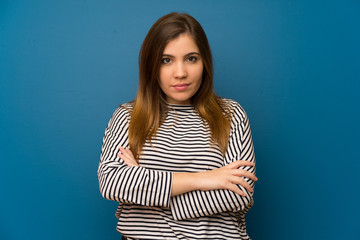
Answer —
150 107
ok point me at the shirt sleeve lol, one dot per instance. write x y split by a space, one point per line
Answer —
121 183
204 203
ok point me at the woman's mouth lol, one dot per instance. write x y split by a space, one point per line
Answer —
181 86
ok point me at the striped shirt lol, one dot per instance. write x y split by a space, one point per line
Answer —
182 144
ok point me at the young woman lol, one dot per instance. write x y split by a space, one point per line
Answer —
178 159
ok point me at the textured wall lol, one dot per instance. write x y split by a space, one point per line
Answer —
293 65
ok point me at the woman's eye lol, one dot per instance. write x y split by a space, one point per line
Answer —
192 59
166 60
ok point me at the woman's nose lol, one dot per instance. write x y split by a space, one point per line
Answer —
180 70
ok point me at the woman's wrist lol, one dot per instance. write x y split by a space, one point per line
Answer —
185 182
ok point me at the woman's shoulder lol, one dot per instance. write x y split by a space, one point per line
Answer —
237 112
123 111
127 106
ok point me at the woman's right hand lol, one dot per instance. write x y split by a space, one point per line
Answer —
227 177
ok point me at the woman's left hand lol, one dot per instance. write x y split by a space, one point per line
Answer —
126 155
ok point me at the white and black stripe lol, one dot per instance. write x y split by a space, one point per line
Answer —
182 144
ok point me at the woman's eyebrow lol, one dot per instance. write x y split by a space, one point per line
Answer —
188 54
192 53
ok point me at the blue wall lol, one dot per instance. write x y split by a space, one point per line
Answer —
293 65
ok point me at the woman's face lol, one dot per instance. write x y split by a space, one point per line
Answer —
181 70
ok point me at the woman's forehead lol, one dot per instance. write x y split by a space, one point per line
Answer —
182 45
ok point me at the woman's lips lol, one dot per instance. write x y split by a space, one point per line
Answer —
181 86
